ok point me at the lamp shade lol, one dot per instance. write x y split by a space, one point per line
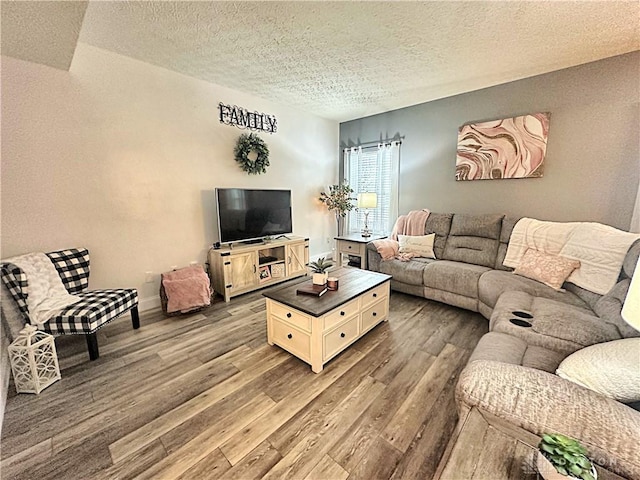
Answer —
367 200
631 307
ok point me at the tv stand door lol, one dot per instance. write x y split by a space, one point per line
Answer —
297 258
241 272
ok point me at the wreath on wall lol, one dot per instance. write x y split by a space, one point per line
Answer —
252 154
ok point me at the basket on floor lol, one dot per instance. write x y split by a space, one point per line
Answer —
189 273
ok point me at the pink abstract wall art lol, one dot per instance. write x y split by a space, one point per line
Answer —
507 148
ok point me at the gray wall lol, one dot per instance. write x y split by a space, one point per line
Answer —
591 166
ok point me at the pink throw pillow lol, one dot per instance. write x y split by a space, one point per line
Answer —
552 270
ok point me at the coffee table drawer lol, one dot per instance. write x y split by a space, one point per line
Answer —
374 314
291 339
340 314
291 316
335 340
375 294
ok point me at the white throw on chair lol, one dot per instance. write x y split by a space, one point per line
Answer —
86 312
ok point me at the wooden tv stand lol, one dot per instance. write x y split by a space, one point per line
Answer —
241 268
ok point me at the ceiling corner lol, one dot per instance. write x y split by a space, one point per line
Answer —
42 32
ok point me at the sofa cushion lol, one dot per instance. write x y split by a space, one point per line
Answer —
440 224
610 368
610 305
418 246
474 239
500 347
493 283
589 297
630 260
554 325
454 277
508 222
406 272
450 298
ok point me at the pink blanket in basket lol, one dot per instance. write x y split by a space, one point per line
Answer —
186 289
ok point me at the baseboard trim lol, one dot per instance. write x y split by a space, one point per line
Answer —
315 257
150 303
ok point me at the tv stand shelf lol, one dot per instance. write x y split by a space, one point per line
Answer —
243 268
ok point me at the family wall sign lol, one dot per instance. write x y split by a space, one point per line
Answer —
243 118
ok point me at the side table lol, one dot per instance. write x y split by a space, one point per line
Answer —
485 446
355 245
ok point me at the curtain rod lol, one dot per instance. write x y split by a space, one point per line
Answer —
386 142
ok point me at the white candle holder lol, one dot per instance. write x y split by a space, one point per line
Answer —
34 361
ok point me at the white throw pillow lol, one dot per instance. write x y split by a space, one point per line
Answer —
419 246
610 368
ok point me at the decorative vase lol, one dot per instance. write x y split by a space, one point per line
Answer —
549 472
319 278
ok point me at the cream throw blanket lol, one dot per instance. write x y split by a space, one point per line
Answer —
46 294
599 248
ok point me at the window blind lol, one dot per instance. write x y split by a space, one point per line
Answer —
373 170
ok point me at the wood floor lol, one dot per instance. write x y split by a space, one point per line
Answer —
204 396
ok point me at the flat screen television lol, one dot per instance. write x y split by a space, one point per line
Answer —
245 214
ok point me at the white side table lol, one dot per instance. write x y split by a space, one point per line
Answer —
355 245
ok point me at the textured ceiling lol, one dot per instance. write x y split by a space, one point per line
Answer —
345 60
42 31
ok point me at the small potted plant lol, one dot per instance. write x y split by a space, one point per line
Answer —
319 269
561 457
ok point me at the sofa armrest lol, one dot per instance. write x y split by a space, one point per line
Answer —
373 258
541 402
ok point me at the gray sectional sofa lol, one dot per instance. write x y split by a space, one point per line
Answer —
511 373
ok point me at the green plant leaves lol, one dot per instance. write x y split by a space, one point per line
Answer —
566 455
250 143
547 448
338 199
321 265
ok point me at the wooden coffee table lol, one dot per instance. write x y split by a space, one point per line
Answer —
316 329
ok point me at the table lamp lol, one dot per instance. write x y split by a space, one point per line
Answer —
631 307
366 201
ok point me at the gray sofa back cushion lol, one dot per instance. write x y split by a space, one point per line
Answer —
609 307
630 260
474 239
440 224
508 223
589 297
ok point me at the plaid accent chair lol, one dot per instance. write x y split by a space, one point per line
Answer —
95 309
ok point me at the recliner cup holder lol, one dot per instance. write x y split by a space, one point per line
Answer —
521 314
519 322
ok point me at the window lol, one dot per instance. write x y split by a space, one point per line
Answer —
374 169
